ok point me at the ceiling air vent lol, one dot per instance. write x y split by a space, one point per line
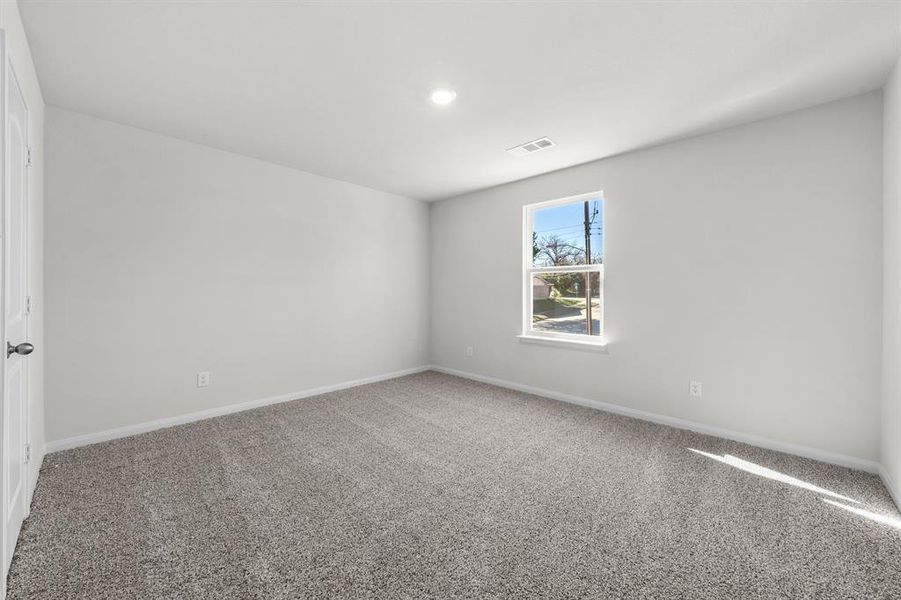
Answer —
531 147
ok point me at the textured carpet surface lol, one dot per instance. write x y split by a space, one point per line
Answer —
430 486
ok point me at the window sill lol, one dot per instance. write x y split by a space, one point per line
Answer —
600 347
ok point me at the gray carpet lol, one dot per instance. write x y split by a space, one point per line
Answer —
430 486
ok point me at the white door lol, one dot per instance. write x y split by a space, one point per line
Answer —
15 300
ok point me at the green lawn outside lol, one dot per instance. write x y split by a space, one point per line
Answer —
552 307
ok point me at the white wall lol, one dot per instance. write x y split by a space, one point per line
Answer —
20 55
748 259
166 258
891 381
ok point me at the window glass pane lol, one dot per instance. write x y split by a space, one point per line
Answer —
559 303
558 234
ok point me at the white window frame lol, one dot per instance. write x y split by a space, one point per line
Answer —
530 334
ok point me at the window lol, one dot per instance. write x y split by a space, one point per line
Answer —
564 269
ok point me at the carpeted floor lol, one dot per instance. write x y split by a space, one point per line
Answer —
430 486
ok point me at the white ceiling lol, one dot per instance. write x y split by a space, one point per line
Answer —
341 89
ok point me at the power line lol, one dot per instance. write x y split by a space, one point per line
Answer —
559 228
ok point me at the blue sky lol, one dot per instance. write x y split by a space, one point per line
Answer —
568 222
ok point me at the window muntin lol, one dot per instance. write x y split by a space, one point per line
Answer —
564 268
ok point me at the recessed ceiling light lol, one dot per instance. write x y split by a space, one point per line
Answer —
443 96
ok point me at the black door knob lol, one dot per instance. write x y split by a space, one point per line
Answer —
24 349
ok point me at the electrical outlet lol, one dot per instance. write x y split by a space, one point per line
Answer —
468 350
695 389
203 379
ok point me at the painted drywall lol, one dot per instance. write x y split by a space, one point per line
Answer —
748 259
891 334
20 56
166 258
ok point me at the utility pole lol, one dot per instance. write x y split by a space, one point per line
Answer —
587 273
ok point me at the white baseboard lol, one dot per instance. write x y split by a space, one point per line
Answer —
843 460
129 430
889 484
